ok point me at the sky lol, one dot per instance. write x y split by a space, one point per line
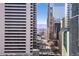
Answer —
58 12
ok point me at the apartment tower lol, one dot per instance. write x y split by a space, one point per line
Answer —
17 28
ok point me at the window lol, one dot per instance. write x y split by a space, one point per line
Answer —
15 39
15 27
31 21
15 21
31 12
15 30
31 18
31 30
15 48
31 45
31 15
15 15
31 36
15 36
15 24
8 12
16 3
16 6
15 42
31 6
16 9
65 40
15 45
31 33
15 33
15 18
14 51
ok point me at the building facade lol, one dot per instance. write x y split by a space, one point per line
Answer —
73 30
65 30
51 32
50 24
64 38
17 28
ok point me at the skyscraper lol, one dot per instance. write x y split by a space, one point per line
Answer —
17 28
51 32
73 30
65 30
67 14
50 24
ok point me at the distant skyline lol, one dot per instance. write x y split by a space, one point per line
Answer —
58 11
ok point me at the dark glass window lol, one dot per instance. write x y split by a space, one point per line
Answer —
15 30
15 48
15 27
15 39
15 15
15 18
15 45
14 51
8 12
15 42
15 36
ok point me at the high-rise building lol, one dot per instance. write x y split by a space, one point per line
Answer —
64 38
50 25
17 28
64 33
67 14
51 32
73 29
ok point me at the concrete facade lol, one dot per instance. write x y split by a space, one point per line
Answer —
17 28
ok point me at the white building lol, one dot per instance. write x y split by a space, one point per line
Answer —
17 28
